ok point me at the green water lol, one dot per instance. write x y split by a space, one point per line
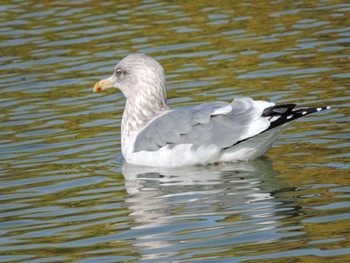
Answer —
67 196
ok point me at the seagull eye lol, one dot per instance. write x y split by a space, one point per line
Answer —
119 72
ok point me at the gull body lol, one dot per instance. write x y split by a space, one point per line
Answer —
154 135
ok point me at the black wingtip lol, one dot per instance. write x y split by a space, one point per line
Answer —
307 111
287 113
278 110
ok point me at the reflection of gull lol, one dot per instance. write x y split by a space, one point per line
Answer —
162 199
154 135
144 179
191 175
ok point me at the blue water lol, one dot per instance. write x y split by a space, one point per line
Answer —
67 195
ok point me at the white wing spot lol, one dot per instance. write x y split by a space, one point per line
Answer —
304 112
319 109
290 116
274 118
328 107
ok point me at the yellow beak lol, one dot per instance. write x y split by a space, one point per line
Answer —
103 85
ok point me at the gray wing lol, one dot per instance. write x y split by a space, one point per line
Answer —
217 123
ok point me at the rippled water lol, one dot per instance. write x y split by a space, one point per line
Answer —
66 195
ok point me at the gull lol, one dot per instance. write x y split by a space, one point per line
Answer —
152 134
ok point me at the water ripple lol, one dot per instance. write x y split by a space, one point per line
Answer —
66 194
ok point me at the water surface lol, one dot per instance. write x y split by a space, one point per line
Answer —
67 196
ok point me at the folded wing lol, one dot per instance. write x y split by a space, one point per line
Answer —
217 123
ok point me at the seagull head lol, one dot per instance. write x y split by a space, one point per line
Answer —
136 75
